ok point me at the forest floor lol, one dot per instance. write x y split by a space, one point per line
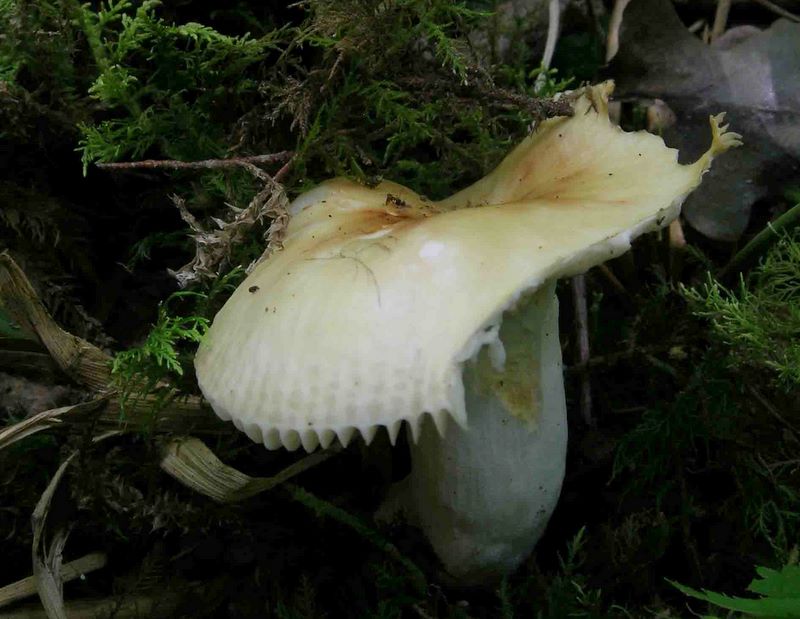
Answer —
147 156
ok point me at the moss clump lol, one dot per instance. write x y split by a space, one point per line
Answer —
759 322
355 88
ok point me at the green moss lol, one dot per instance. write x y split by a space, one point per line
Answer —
355 88
175 84
759 322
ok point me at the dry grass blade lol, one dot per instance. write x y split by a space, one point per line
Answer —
612 41
194 465
179 416
45 420
553 29
778 10
80 360
47 556
70 571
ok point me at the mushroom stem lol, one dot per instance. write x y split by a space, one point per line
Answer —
483 495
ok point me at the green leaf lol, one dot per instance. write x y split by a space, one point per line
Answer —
779 584
780 591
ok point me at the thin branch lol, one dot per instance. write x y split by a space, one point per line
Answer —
697 26
280 174
553 28
324 509
599 15
207 164
776 465
677 247
720 19
773 411
539 108
705 36
421 612
614 24
69 571
778 10
677 239
613 279
760 243
614 358
582 335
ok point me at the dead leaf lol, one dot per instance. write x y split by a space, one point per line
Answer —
166 411
47 553
194 465
80 360
44 421
753 76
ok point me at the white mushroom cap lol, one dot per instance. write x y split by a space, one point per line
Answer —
378 296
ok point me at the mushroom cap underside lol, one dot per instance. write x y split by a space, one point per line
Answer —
378 296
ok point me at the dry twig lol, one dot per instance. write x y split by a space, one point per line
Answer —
697 26
206 164
213 248
720 19
553 28
613 279
500 98
774 412
582 335
614 24
677 247
89 366
778 10
69 571
613 358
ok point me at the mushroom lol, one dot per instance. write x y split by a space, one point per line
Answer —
384 307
